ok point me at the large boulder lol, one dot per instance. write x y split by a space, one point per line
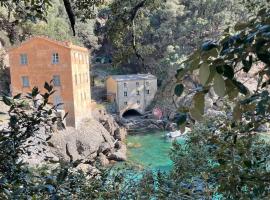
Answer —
88 143
119 155
102 160
80 144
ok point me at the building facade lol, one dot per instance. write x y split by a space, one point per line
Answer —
39 60
131 92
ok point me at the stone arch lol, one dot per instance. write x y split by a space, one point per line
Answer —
131 112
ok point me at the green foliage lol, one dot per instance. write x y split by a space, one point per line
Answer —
25 121
227 155
220 62
164 32
225 160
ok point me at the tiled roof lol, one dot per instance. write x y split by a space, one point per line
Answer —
66 44
133 77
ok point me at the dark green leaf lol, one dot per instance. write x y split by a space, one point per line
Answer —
242 89
178 90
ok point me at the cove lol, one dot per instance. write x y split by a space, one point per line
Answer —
150 150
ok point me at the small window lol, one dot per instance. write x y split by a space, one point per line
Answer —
138 102
125 84
81 96
56 80
76 79
84 96
126 103
147 83
137 83
125 94
147 91
58 102
138 92
23 59
25 81
55 58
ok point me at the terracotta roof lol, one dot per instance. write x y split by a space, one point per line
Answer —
66 44
133 77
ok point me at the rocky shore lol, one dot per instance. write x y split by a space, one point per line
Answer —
98 141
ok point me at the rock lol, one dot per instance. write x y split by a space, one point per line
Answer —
90 142
119 155
120 134
215 113
264 127
118 145
104 148
83 143
102 160
88 169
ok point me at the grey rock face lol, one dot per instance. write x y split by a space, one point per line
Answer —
89 143
102 160
119 155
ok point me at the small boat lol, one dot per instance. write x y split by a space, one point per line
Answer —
178 133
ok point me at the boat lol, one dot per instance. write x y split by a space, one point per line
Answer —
178 133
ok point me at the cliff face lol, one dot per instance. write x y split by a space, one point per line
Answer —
96 141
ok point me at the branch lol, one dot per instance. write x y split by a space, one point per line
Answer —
71 15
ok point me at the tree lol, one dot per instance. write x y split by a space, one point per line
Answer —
13 13
234 146
27 117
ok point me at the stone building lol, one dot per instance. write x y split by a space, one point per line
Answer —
131 92
41 59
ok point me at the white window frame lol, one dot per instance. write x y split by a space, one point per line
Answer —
55 58
25 79
23 59
56 80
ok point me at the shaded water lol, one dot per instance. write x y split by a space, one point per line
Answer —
150 150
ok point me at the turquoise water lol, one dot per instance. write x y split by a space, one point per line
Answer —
150 150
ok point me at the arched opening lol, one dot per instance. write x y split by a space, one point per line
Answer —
131 113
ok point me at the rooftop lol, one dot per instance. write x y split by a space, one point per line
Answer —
129 77
66 44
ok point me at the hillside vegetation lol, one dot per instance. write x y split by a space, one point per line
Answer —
213 43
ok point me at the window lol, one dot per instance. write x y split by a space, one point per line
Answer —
138 92
55 58
25 81
76 80
58 102
24 59
84 96
125 84
81 96
138 102
125 103
56 80
147 91
125 94
147 83
137 83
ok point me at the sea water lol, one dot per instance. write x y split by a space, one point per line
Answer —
150 150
